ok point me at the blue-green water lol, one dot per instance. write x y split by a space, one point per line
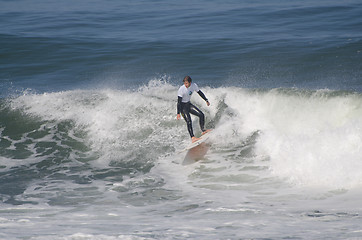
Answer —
90 147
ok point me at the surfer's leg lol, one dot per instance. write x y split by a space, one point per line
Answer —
197 112
187 117
185 112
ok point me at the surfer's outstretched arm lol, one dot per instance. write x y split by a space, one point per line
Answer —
204 97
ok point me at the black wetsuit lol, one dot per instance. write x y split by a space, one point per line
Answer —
186 108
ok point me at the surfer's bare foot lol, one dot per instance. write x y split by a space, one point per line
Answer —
194 139
206 131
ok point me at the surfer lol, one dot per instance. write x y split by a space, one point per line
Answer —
185 107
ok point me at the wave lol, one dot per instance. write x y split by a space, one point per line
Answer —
303 138
311 138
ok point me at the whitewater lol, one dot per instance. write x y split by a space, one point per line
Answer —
106 164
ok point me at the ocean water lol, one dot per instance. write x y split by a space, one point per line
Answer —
90 147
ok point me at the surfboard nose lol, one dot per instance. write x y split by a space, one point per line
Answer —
196 153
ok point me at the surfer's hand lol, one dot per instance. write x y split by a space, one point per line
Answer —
178 116
208 103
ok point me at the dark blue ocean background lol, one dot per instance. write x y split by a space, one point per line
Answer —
59 45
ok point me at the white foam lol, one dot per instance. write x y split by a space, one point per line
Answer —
312 139
117 122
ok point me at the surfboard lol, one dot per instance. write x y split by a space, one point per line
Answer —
203 138
196 153
197 150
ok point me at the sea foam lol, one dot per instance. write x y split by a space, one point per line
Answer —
310 138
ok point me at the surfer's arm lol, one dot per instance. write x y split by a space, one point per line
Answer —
179 100
203 97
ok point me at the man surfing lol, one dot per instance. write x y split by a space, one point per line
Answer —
185 107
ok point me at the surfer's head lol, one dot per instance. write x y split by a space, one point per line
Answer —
187 81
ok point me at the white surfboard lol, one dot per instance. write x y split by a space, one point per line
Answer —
203 138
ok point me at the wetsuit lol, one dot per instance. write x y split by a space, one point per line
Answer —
185 107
